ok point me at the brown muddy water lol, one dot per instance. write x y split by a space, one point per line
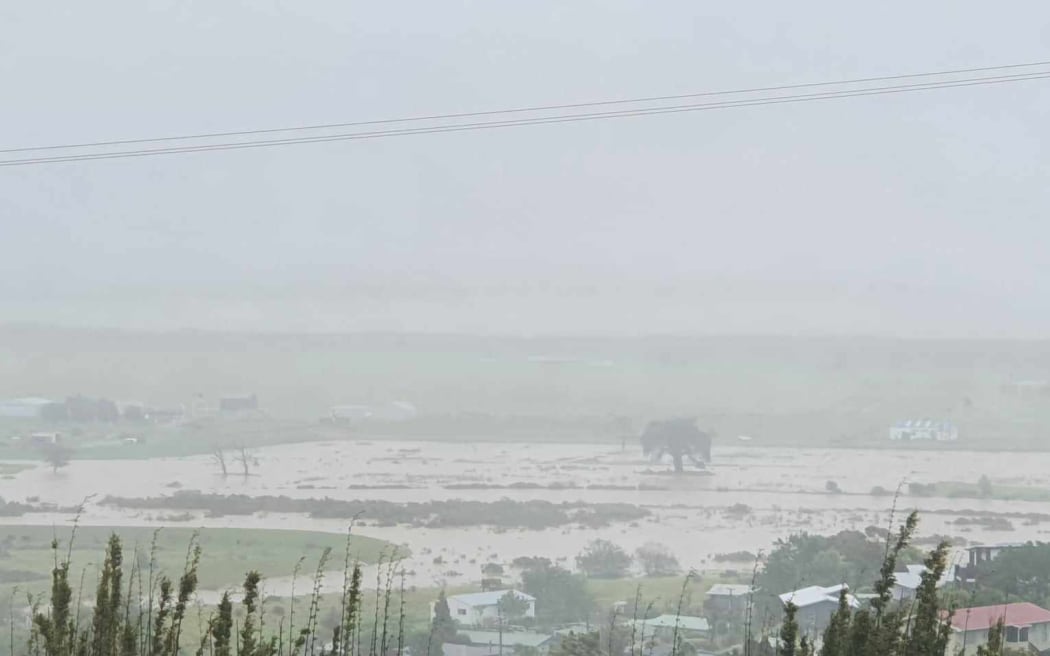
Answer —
698 517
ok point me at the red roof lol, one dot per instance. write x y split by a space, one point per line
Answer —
983 618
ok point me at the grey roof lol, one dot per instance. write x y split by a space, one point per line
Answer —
730 590
912 578
490 598
815 594
683 622
449 649
510 638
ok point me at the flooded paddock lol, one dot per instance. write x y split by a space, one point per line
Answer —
748 499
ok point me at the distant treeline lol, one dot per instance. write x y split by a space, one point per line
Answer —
504 513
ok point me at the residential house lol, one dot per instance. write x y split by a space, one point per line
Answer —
43 439
924 429
481 608
727 599
906 583
665 626
491 641
450 649
1027 627
981 553
816 605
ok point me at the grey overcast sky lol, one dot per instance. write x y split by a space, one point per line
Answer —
913 215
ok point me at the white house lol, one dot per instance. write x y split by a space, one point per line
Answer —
924 429
816 605
906 584
480 608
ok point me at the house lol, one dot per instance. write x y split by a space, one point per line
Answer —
728 599
26 408
40 439
906 583
1027 627
395 411
510 640
450 649
981 553
239 403
924 429
665 626
349 413
481 608
816 604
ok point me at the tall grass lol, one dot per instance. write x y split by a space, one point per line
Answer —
137 613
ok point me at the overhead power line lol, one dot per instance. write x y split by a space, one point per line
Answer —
537 108
528 120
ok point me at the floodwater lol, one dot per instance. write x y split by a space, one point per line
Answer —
697 516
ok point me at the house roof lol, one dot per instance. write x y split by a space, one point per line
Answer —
928 424
983 618
912 578
815 594
510 638
730 590
490 598
683 622
449 649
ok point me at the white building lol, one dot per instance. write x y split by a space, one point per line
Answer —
27 408
666 625
481 608
816 604
924 429
906 584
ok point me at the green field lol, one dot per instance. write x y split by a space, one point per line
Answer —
777 390
227 555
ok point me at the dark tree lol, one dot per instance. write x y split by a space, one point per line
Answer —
603 559
657 560
678 438
443 627
512 607
561 596
57 455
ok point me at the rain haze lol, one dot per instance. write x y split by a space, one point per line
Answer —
654 317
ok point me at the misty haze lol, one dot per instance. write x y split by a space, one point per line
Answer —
524 329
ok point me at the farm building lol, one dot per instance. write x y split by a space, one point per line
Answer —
924 429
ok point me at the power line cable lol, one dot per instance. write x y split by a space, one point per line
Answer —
590 116
537 108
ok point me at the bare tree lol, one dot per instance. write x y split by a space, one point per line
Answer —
219 455
244 457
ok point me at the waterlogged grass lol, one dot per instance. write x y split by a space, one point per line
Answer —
226 554
662 592
961 490
12 468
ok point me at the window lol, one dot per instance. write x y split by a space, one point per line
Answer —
461 611
1017 634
